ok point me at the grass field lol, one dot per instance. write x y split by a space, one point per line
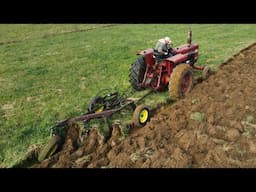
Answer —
49 72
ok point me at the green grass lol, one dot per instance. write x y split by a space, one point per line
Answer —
48 72
11 33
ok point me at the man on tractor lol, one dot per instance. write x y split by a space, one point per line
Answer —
163 48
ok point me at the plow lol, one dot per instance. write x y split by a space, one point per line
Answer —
101 107
174 73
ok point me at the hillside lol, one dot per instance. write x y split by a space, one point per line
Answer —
50 72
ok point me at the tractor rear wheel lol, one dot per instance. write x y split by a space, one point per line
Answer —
137 72
141 116
181 81
49 149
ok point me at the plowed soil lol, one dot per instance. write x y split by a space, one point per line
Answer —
214 126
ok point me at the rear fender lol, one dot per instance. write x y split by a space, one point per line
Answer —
144 52
148 55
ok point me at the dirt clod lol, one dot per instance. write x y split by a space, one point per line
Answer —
232 135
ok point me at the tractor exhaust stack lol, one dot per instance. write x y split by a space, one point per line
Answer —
189 39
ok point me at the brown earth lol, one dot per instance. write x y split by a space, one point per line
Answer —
214 126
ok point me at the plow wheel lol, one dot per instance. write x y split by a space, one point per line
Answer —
137 72
141 116
96 105
181 81
49 149
206 72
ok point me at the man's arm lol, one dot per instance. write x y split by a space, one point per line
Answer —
172 51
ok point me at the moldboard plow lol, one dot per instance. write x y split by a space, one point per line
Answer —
101 107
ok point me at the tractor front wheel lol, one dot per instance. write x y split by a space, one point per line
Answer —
137 72
141 116
181 81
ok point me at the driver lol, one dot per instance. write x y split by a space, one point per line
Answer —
162 49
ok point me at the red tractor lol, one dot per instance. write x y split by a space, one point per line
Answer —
174 72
